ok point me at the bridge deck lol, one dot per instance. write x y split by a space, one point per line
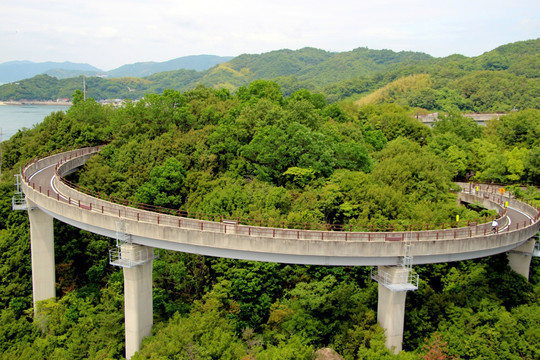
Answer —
44 188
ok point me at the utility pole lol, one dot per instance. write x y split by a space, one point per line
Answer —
84 87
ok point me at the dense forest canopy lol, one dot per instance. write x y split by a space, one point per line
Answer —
288 160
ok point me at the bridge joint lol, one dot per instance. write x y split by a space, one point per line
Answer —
405 279
131 255
127 254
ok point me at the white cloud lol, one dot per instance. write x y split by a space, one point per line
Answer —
108 34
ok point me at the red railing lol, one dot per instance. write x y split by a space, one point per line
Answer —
270 223
94 201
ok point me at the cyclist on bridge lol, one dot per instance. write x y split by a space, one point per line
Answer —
494 226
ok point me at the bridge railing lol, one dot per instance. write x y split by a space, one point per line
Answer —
74 197
139 215
35 165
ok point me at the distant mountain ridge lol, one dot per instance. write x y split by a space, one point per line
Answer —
19 70
499 80
192 62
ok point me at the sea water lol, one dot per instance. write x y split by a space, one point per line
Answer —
16 117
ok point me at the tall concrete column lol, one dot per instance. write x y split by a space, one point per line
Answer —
137 295
42 254
391 304
519 258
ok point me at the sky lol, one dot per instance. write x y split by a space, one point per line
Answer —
112 33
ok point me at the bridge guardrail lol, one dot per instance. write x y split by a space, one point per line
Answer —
139 215
70 160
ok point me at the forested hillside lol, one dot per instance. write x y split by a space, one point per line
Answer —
295 161
503 79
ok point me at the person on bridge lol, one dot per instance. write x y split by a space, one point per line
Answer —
494 226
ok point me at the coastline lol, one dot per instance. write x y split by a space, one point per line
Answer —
35 102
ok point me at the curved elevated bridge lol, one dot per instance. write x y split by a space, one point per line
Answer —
138 232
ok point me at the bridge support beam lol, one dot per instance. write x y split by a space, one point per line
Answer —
519 259
391 305
137 295
42 255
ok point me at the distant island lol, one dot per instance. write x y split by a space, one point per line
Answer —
37 102
18 70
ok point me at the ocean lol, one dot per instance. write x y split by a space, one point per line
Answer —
15 117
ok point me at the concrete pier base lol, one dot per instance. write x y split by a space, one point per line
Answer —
519 259
42 254
391 306
137 296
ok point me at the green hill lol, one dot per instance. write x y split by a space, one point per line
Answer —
499 80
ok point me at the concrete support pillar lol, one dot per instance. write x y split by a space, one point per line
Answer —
137 295
519 258
391 304
42 254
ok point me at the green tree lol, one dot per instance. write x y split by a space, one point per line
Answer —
532 165
165 185
77 97
464 127
299 176
317 100
261 89
515 165
413 171
293 348
520 128
206 334
394 121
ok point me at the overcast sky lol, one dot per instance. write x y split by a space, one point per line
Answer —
108 34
